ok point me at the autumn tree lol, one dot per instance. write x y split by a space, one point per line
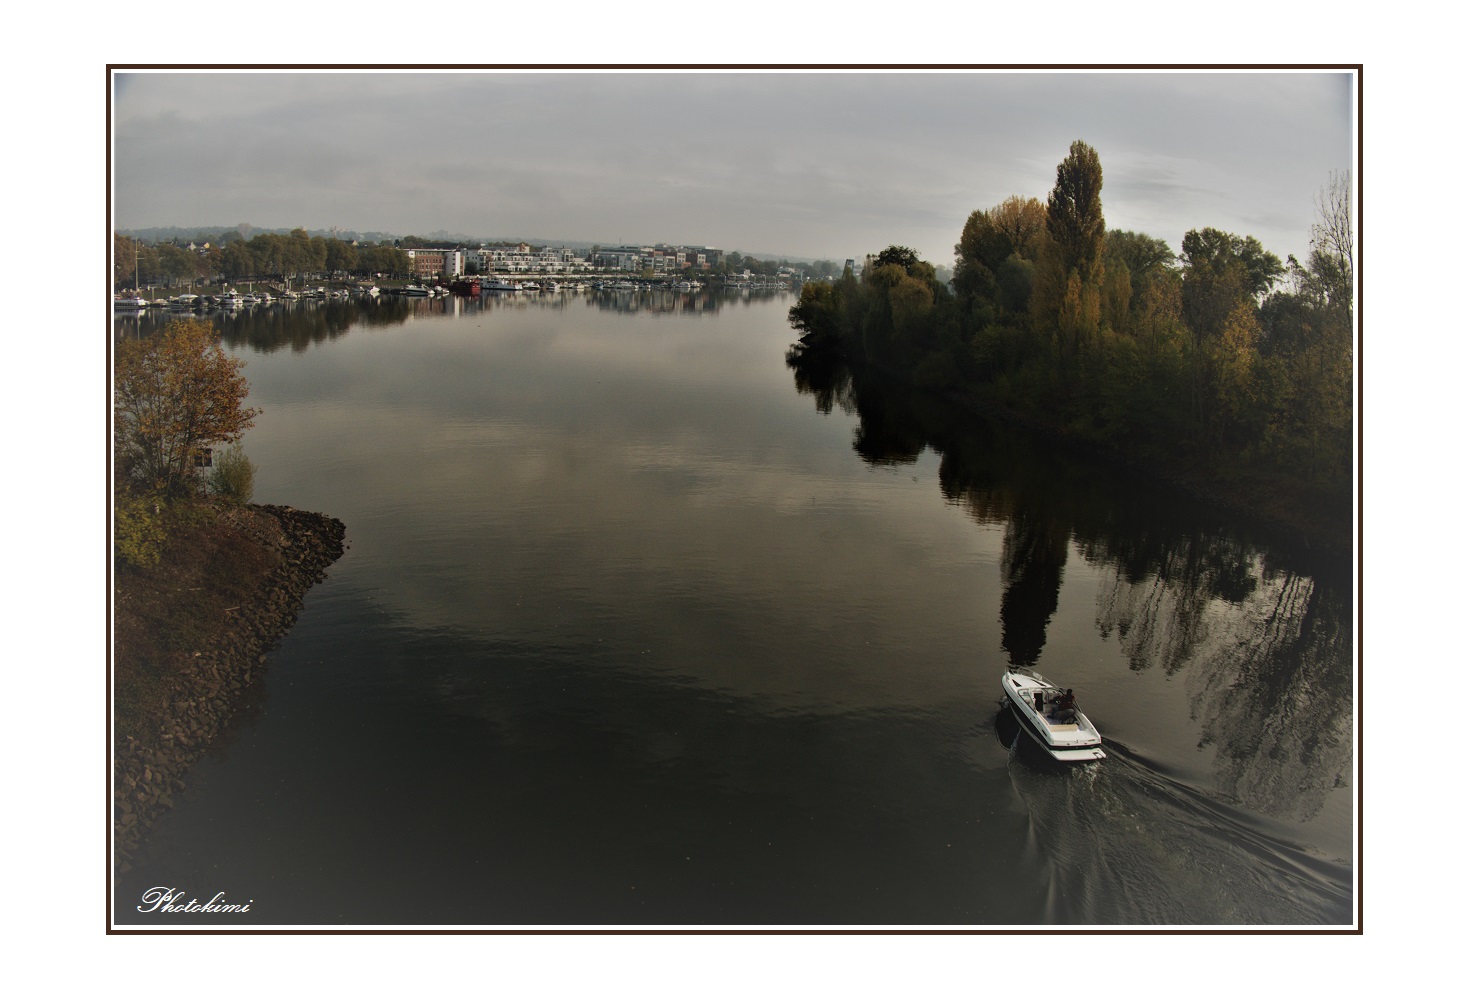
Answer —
1067 299
1022 221
990 237
175 394
1075 211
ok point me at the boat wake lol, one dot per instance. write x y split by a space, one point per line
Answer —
1119 843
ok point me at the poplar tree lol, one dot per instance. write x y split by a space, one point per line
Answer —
1075 211
1067 298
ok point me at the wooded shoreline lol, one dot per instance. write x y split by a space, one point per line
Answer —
1219 369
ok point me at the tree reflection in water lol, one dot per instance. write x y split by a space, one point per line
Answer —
1262 636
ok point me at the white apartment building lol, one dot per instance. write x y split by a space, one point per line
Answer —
523 258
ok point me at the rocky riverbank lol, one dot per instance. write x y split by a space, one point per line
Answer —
243 573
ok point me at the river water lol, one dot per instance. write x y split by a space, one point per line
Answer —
642 625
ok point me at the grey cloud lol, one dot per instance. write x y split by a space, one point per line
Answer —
821 164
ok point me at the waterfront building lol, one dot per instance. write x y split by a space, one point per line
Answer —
523 258
436 261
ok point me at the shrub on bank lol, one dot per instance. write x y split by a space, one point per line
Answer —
140 531
232 477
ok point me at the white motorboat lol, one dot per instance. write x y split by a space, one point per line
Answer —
129 303
1047 713
414 290
230 299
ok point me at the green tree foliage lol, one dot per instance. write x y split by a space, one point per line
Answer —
1146 259
979 255
1014 283
232 476
818 315
236 261
383 258
899 292
1224 278
898 313
139 530
341 256
1220 270
175 393
898 255
177 264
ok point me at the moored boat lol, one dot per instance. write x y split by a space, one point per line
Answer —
1050 716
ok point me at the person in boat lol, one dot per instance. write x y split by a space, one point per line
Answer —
1066 707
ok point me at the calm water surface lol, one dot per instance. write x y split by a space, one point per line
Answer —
640 624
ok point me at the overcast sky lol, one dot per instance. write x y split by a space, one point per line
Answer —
803 165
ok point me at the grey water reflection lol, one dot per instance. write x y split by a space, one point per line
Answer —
299 324
1260 629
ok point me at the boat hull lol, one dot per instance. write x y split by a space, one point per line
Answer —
1074 741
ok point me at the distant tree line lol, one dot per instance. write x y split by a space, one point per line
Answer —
265 256
247 254
1220 356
